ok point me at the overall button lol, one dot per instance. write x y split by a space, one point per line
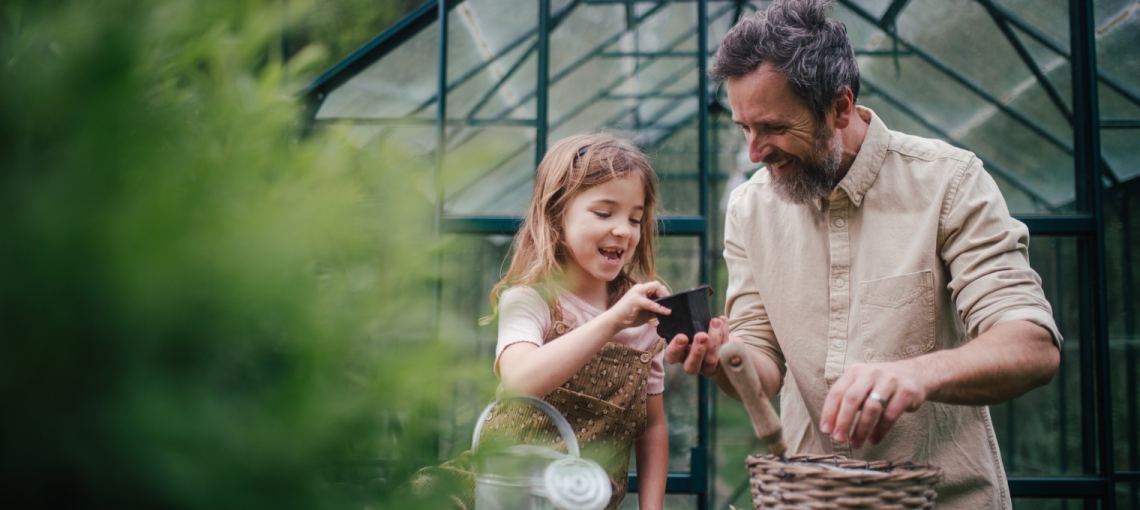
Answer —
645 358
839 282
839 222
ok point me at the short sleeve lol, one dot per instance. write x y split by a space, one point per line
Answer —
523 317
987 252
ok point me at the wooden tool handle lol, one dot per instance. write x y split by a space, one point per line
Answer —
741 373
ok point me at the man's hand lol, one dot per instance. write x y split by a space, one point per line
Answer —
999 365
702 356
862 387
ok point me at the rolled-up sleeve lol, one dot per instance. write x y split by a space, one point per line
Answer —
986 251
747 317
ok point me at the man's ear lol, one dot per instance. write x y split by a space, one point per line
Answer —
843 107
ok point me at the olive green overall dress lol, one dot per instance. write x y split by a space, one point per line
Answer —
605 403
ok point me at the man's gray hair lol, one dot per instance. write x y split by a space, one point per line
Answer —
795 37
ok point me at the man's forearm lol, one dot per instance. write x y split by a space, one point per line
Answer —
1003 363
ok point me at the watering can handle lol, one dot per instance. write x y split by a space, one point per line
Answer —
742 374
555 417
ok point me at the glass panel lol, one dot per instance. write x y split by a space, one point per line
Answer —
1030 158
470 265
487 41
394 86
492 94
962 35
678 264
1116 43
674 152
489 171
1040 432
1122 258
1048 16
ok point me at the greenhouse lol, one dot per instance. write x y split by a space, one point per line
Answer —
248 250
1047 94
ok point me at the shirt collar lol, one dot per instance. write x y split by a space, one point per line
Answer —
867 163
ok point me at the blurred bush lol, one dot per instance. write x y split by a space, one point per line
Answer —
199 308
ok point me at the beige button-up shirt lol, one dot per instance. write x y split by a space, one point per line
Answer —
913 251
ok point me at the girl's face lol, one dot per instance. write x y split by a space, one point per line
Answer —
602 226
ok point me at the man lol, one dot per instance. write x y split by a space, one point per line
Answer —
877 276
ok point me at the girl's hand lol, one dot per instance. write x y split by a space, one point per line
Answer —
637 307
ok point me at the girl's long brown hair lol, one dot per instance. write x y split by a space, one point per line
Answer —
572 166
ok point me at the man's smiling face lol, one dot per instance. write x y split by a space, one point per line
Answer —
802 156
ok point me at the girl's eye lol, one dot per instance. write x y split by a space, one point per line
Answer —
635 221
602 214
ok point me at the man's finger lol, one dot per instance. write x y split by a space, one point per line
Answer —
695 359
831 403
850 404
677 349
895 408
869 416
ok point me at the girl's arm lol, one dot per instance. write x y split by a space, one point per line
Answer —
653 457
532 370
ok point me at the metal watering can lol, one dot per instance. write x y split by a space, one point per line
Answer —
528 477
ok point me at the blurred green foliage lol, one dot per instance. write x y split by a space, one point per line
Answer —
199 307
333 29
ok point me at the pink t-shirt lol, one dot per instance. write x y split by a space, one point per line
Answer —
525 317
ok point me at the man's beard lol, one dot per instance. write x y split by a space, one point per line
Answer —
815 177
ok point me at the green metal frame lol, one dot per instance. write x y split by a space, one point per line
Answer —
1097 485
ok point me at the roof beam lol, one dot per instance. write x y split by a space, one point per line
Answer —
892 13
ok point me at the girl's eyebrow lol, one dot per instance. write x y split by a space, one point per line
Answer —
608 201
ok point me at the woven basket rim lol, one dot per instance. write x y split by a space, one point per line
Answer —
824 466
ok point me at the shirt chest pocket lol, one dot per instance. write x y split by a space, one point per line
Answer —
897 316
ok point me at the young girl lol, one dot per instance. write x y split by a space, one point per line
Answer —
576 304
574 314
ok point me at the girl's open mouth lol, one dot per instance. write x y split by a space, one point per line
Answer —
611 255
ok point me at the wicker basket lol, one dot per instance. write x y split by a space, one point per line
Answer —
831 482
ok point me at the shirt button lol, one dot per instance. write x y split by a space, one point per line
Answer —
838 343
839 222
839 282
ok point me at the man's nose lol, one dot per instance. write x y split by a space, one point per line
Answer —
758 150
